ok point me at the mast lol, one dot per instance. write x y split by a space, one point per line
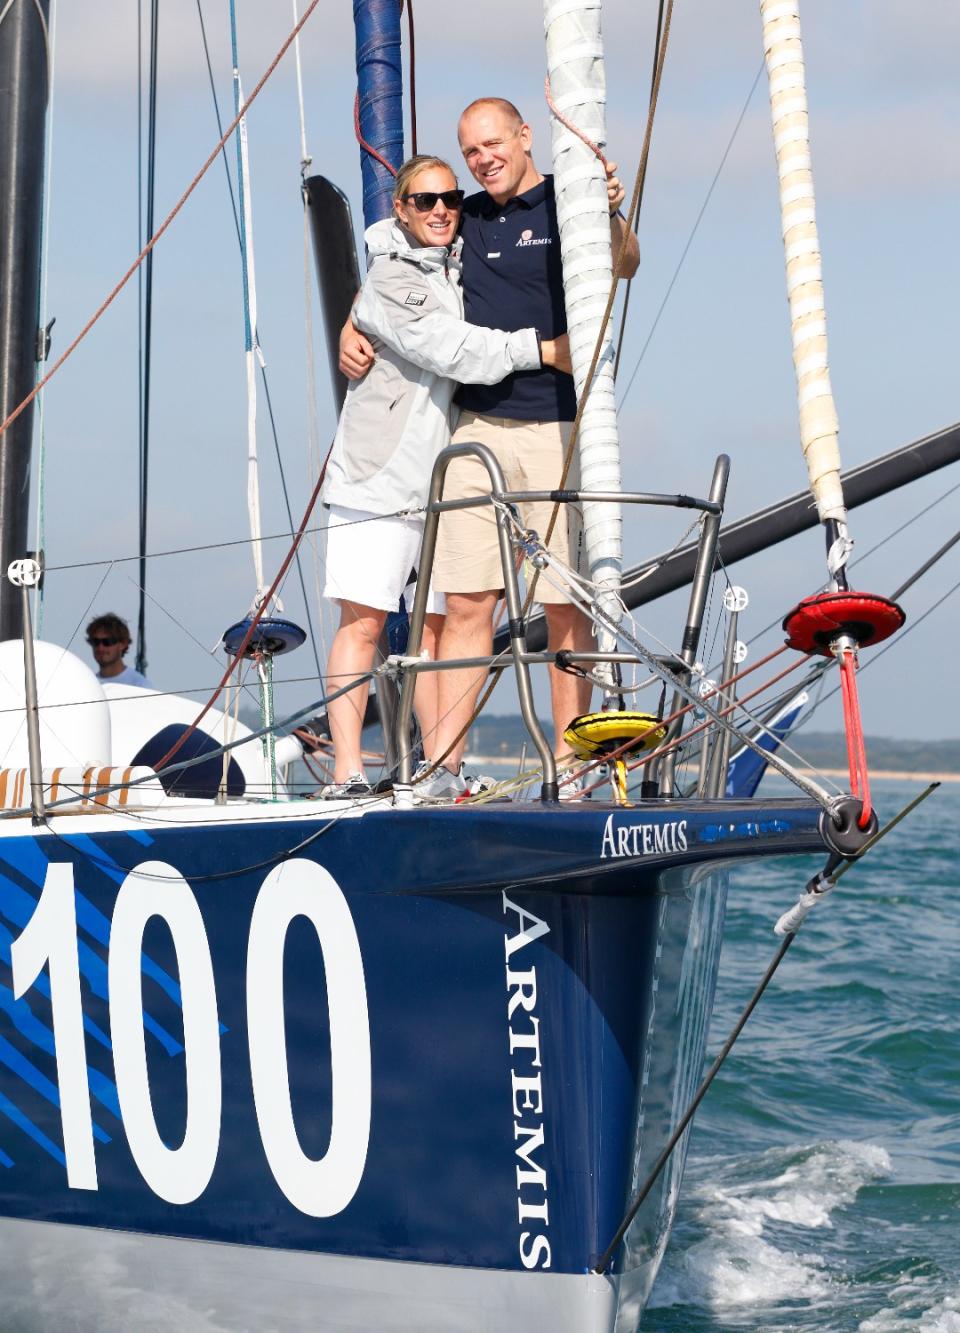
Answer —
819 428
578 90
24 83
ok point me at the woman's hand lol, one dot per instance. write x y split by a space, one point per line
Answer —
356 352
555 352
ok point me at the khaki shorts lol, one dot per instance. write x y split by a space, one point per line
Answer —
531 454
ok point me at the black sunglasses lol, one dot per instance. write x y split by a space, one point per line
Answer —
96 642
426 200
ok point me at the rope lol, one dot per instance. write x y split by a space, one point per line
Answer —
112 296
569 125
367 148
856 747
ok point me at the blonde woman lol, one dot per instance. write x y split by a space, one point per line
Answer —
394 423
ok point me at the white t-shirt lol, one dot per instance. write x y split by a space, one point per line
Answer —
129 676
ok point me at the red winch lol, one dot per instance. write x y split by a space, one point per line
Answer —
838 624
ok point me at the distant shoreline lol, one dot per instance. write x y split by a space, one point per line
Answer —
900 775
881 774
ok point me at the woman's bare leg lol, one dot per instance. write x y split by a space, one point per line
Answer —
352 653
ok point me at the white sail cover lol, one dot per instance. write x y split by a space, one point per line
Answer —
578 87
783 48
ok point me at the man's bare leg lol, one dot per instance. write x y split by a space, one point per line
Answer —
426 696
567 627
467 632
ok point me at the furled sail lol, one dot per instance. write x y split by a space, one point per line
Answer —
578 88
783 48
379 110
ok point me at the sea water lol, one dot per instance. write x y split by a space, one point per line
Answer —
822 1188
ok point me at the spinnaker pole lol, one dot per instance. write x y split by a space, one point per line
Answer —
24 87
578 92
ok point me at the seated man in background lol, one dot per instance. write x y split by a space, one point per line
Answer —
109 637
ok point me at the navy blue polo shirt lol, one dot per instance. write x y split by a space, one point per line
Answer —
513 279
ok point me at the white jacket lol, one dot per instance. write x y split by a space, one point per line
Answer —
399 416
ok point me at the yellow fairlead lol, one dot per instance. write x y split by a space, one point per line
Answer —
597 734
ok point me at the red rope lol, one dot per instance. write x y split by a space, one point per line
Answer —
368 148
568 124
856 746
163 226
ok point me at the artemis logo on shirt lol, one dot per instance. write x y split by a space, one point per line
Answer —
527 238
415 298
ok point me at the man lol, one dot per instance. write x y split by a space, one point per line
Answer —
109 637
512 279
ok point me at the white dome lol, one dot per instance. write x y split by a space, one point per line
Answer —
77 736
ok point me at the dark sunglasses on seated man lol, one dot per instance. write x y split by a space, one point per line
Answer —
100 641
425 200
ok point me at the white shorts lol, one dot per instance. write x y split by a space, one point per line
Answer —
372 560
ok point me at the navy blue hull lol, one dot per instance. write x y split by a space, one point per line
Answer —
536 987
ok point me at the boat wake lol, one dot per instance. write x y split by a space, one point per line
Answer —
741 1248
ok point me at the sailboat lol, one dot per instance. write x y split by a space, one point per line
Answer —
379 1064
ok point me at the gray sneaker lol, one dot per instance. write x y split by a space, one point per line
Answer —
441 785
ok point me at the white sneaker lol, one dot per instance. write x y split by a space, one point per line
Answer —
355 785
441 785
477 783
571 789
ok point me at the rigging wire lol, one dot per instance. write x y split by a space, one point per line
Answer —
161 230
636 220
236 541
824 884
146 328
693 232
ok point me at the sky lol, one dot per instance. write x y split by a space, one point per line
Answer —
707 349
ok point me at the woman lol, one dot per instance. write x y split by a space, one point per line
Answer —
394 423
